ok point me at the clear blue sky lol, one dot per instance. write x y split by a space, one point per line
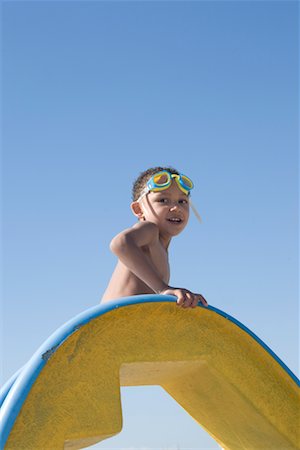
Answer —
94 93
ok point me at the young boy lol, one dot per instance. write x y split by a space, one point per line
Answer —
161 204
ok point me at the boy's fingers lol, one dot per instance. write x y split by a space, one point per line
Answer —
195 302
202 300
188 300
180 298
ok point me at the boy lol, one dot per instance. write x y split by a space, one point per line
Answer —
161 204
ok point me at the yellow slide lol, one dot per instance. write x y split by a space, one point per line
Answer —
225 377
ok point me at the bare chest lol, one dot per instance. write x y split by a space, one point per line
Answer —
159 258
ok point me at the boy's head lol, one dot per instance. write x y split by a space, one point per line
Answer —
162 200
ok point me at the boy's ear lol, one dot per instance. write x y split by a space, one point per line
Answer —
137 210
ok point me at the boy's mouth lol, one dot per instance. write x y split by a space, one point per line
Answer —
175 220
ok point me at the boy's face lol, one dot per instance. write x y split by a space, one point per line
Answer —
168 209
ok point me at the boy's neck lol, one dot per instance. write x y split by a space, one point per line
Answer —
165 241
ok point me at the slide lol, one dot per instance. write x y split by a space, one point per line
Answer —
68 394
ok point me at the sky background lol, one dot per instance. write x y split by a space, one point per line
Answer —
96 92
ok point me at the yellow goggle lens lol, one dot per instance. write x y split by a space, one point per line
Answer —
161 179
187 181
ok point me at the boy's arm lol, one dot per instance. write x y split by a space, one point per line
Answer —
127 246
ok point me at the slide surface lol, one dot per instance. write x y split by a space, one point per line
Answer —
68 395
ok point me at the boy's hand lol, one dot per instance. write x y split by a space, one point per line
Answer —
185 298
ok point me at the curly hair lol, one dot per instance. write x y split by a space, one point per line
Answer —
140 183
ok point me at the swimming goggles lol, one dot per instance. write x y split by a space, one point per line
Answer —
162 180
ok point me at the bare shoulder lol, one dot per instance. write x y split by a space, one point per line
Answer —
142 233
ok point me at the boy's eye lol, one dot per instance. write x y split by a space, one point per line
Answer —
182 201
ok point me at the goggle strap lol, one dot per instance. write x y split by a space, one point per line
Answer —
143 193
195 211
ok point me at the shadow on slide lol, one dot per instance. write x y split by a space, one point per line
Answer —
68 395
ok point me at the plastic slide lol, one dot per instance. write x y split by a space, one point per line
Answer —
68 395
